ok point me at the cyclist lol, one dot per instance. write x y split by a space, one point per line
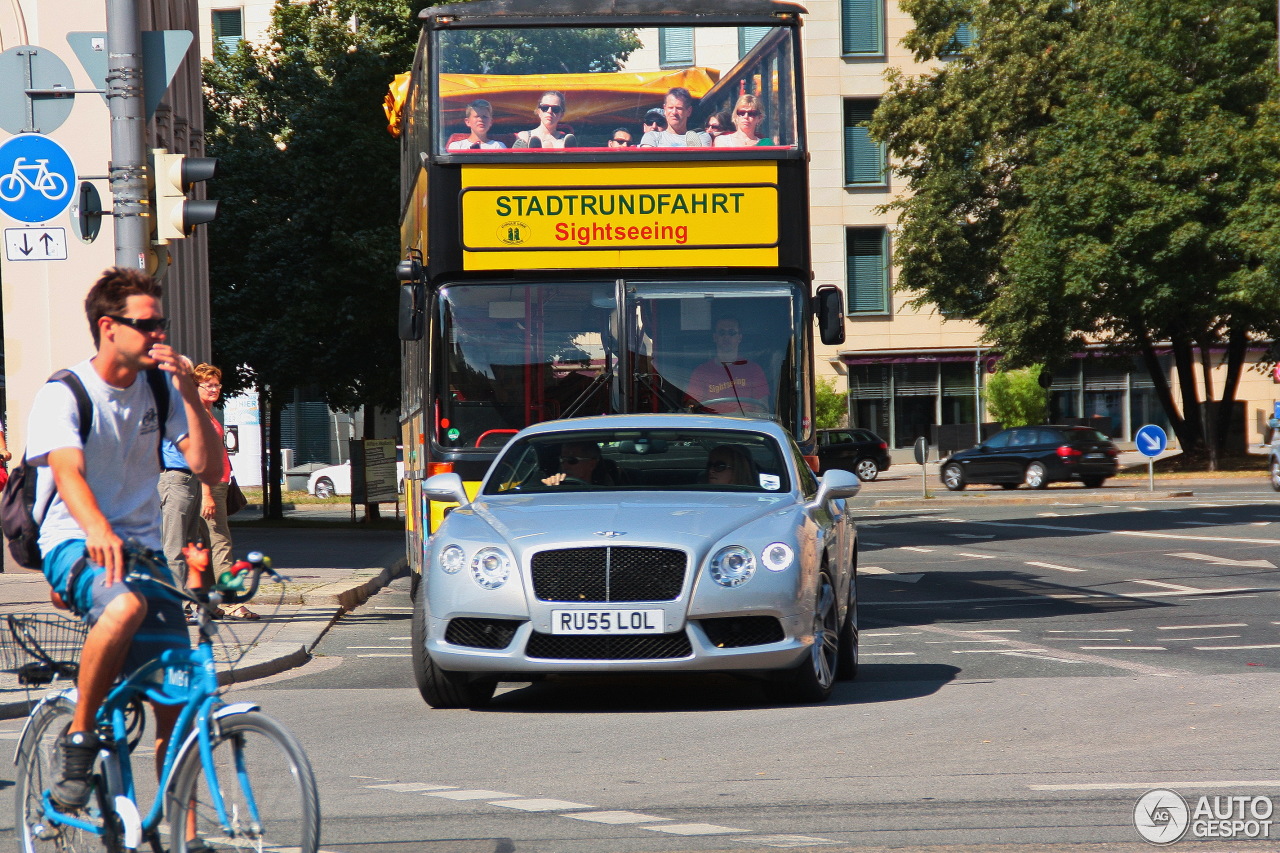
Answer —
104 491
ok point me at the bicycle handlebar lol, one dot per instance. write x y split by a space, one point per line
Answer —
236 585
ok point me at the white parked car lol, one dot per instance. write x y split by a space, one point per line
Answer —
336 479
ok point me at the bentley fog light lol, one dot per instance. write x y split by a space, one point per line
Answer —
778 556
490 567
733 566
452 559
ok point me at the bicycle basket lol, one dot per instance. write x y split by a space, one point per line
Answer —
42 647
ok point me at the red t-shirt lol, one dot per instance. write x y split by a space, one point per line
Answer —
728 382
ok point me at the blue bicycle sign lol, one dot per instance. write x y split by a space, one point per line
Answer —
37 178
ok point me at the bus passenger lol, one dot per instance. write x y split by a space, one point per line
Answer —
654 121
479 119
727 384
678 109
551 108
620 138
747 117
717 125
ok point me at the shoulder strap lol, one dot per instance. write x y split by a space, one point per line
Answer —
160 388
83 403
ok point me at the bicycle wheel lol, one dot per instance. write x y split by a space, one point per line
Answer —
39 766
267 787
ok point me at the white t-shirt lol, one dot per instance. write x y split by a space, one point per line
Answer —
122 459
667 139
465 145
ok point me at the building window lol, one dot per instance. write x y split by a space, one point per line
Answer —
675 47
864 160
748 37
867 290
862 27
228 27
962 39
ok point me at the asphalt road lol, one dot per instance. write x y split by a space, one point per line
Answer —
1028 673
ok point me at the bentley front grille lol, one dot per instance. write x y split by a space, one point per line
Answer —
609 574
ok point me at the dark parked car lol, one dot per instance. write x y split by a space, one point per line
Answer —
1035 455
858 450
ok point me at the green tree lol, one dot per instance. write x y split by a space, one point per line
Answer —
526 51
830 407
1015 398
302 256
1097 170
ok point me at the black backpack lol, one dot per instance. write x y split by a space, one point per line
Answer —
18 501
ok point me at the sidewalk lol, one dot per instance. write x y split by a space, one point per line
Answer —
332 572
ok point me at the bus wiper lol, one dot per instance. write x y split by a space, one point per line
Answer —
601 378
655 388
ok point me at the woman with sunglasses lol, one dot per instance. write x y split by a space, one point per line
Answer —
748 116
550 110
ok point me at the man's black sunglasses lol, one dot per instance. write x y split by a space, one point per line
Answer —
147 326
622 141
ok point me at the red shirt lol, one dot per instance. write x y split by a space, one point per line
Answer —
728 382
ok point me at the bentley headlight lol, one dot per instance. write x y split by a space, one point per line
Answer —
733 566
490 567
452 559
777 556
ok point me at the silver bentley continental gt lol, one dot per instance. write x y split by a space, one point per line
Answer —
641 543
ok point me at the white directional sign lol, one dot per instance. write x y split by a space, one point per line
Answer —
35 244
1151 440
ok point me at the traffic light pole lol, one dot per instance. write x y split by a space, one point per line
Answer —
128 134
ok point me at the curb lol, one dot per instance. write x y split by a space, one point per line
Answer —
1041 499
277 656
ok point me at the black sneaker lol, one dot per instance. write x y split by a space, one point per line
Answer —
78 749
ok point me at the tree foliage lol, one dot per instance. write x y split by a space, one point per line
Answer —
830 407
1097 170
1015 398
526 51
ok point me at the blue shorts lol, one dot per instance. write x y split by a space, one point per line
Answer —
165 626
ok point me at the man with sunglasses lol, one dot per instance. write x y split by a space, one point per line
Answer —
677 108
578 463
620 138
94 493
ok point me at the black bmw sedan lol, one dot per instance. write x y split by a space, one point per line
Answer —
1036 456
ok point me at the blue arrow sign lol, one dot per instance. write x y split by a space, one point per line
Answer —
1151 440
37 178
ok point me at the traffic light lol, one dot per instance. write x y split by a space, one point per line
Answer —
175 175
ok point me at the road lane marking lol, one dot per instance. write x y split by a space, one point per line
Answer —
615 818
411 787
1218 648
1090 631
1174 586
1224 561
1201 627
1216 637
1149 786
1143 534
694 829
1124 648
1053 566
976 556
889 574
885 654
910 548
350 648
384 655
474 794
785 840
991 640
991 631
536 805
1065 655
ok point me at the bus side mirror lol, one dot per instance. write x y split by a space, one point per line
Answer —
830 315
411 313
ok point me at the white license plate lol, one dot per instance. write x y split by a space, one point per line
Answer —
606 621
1093 456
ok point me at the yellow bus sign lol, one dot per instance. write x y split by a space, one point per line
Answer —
637 215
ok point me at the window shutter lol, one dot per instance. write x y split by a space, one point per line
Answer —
862 27
228 27
962 39
675 46
863 158
748 37
867 273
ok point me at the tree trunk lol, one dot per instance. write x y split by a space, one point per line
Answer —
275 508
1163 393
1237 351
1208 417
1191 436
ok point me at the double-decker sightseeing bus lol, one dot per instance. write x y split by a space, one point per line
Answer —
551 270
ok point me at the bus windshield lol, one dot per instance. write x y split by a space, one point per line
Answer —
538 89
518 354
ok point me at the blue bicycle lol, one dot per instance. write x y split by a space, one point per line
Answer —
232 778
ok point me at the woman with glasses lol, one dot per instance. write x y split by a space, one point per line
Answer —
550 110
729 465
718 125
213 508
748 117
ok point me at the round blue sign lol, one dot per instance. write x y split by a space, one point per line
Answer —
37 178
1151 440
